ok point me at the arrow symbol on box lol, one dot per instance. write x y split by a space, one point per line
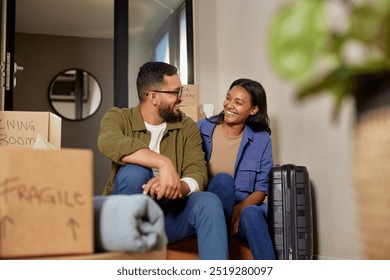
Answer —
73 224
3 224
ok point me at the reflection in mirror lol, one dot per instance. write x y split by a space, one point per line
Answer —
75 94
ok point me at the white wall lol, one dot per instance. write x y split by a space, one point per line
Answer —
139 52
230 43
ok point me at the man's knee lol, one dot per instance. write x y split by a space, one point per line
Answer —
130 178
133 171
208 203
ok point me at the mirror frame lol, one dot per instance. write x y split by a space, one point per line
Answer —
70 99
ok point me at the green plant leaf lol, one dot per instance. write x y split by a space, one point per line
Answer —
366 23
296 35
335 80
301 47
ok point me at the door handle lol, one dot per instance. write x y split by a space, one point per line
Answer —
16 69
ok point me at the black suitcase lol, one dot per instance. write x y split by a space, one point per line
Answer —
290 212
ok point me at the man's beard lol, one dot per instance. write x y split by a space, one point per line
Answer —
170 116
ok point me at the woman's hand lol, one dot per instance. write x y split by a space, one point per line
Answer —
254 198
236 218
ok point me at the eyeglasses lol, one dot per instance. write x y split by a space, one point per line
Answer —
178 92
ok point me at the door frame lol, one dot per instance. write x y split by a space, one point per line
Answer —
7 49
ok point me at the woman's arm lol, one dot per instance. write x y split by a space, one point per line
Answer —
254 198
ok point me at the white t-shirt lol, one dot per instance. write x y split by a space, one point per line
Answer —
157 132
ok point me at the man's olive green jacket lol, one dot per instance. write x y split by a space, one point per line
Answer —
122 132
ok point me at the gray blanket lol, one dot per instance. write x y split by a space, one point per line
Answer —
130 223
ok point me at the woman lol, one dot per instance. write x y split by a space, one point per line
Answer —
238 152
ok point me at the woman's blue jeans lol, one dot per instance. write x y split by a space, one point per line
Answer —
200 213
253 226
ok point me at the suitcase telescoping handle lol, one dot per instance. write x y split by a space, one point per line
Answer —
289 213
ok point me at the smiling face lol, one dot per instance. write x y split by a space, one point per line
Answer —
168 103
238 106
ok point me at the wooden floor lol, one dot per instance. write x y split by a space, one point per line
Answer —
150 255
187 249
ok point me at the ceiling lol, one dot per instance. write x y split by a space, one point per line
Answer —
91 18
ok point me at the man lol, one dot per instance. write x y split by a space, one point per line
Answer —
157 151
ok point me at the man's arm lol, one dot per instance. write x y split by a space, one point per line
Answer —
115 137
194 164
167 183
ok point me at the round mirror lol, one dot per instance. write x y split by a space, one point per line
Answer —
75 94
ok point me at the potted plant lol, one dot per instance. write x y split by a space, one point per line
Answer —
342 48
323 45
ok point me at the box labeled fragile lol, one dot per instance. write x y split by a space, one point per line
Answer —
18 128
46 202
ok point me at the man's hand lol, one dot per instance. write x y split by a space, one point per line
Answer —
165 185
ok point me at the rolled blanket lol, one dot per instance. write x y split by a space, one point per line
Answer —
130 223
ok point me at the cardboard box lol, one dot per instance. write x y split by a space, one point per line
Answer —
190 95
46 202
195 112
22 128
